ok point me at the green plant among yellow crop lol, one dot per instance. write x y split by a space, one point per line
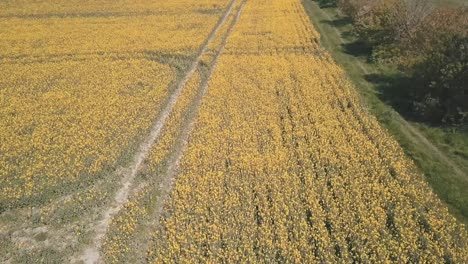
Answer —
284 165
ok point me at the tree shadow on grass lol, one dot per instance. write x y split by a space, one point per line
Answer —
340 22
327 3
393 89
350 34
397 90
353 46
358 49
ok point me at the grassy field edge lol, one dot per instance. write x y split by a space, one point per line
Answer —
444 177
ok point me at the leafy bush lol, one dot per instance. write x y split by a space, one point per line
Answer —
427 43
441 83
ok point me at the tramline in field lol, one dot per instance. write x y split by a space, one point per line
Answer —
197 131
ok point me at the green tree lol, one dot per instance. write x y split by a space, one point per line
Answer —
441 82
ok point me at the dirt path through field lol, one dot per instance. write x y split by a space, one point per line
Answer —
181 144
92 253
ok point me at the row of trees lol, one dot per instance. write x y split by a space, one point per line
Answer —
429 43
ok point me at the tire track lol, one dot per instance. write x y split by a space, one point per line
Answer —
92 253
172 160
187 127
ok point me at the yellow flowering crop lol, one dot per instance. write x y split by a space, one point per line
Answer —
284 165
81 84
121 246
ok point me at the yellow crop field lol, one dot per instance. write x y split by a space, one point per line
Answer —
209 131
284 165
81 84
